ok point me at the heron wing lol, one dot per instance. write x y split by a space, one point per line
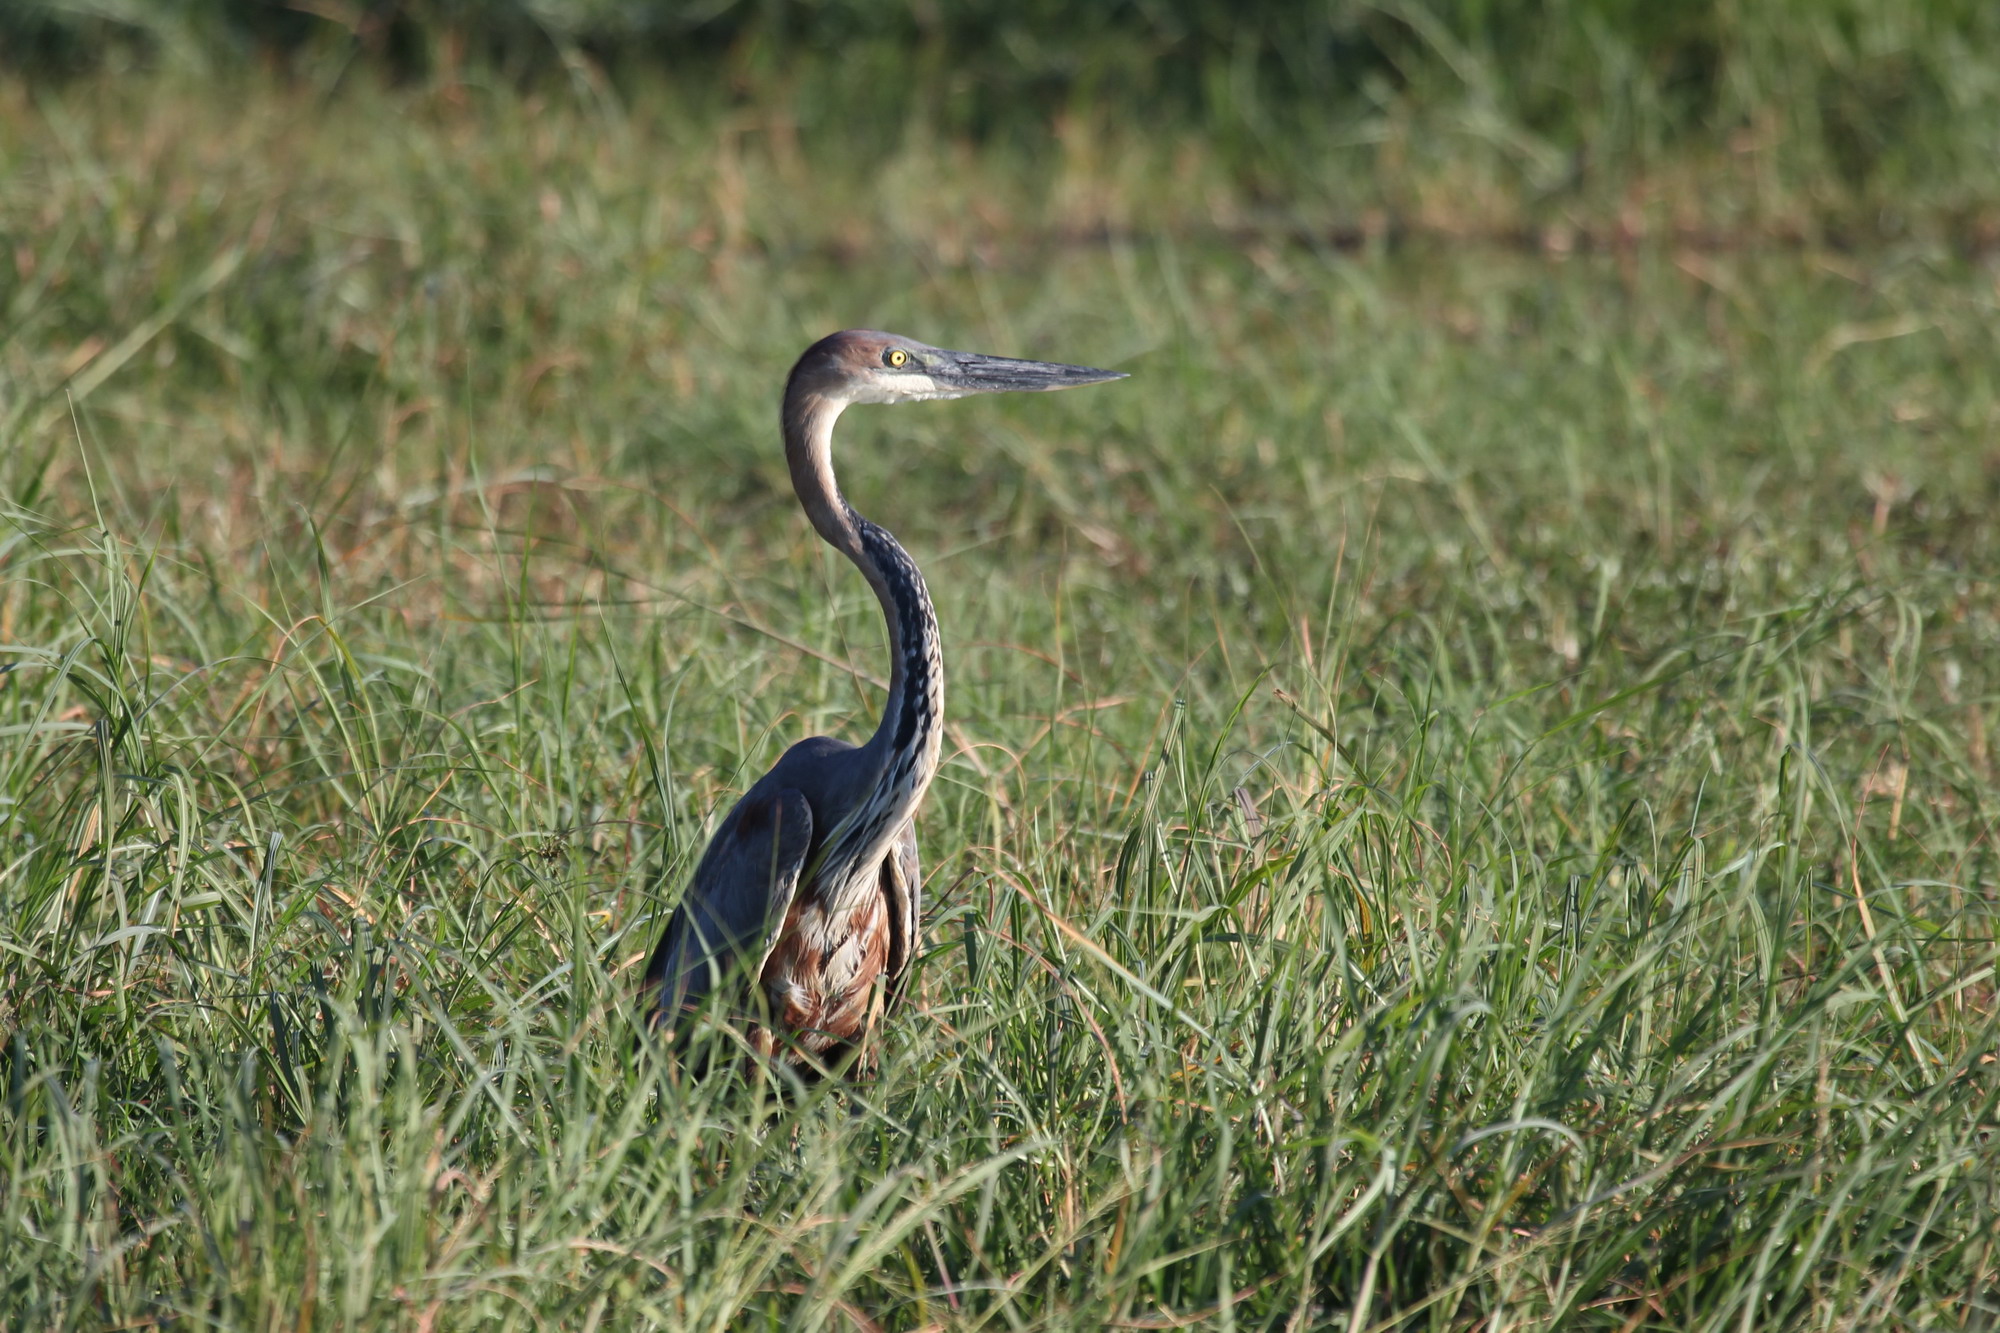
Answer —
726 922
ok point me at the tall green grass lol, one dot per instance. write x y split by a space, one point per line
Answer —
1468 804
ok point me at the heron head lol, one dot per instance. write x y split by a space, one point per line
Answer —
862 366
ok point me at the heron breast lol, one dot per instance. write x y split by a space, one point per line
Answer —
821 975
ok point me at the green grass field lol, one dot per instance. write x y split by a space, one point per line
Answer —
1471 780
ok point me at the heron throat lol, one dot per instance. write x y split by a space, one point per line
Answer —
903 752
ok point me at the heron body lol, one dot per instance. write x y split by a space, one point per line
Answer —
807 902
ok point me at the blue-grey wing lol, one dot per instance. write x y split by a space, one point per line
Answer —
734 905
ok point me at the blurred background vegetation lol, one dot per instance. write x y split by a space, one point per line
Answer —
1849 103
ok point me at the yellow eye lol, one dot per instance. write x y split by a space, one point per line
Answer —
896 356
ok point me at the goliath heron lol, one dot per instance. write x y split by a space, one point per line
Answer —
811 886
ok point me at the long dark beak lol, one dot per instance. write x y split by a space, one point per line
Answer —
969 372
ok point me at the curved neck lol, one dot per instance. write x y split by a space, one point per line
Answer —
907 739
